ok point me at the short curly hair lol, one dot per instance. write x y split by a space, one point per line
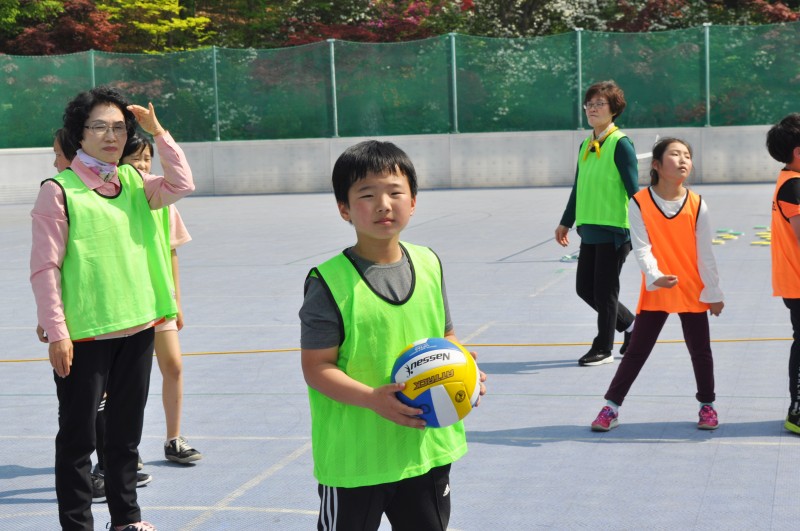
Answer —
78 110
611 92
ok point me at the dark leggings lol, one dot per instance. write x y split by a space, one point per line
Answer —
794 354
597 283
645 333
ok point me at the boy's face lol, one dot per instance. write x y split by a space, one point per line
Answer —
380 206
61 163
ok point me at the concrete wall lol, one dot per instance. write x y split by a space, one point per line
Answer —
542 158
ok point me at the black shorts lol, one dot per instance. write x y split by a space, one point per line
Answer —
420 503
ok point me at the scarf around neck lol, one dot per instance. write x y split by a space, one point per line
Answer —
597 140
104 170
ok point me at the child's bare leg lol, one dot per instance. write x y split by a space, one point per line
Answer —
168 353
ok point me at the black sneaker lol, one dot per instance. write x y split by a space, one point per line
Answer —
179 451
98 489
596 357
139 464
792 422
626 338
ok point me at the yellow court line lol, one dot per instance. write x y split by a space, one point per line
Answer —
483 345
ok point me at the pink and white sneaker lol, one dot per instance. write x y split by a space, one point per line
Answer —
606 420
708 419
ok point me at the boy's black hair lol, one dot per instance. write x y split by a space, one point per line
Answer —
783 137
370 156
67 147
658 154
135 144
78 110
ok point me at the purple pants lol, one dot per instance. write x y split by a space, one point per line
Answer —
645 333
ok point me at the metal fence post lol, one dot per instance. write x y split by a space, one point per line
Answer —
453 83
216 92
91 67
334 103
579 61
707 39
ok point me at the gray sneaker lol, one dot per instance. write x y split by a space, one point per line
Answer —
98 488
179 451
142 478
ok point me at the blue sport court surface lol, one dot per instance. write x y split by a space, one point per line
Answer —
533 461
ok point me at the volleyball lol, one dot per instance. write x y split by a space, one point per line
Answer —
442 379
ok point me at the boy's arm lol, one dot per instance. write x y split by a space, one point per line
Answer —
322 374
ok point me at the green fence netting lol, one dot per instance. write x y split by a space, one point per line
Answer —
705 76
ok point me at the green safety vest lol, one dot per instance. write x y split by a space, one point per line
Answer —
354 446
117 269
601 198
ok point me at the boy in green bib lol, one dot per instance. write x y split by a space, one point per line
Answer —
372 454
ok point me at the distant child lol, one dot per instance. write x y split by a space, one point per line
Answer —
372 454
783 143
671 237
138 152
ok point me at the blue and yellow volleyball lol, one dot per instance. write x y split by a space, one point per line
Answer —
442 379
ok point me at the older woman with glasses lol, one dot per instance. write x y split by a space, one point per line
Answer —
100 277
606 178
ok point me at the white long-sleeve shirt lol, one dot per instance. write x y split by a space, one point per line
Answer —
643 249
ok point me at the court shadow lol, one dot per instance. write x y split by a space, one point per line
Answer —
16 471
16 497
167 464
632 433
524 367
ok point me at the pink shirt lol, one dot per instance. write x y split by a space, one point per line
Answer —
51 230
178 235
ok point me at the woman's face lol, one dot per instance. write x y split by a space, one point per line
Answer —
598 112
141 160
104 133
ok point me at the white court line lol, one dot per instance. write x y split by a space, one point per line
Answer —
230 498
555 280
477 332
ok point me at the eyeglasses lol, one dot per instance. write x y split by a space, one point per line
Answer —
594 105
100 129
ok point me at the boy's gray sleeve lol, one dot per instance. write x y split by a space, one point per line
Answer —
448 320
319 318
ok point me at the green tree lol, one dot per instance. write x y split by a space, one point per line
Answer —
156 26
16 15
77 27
